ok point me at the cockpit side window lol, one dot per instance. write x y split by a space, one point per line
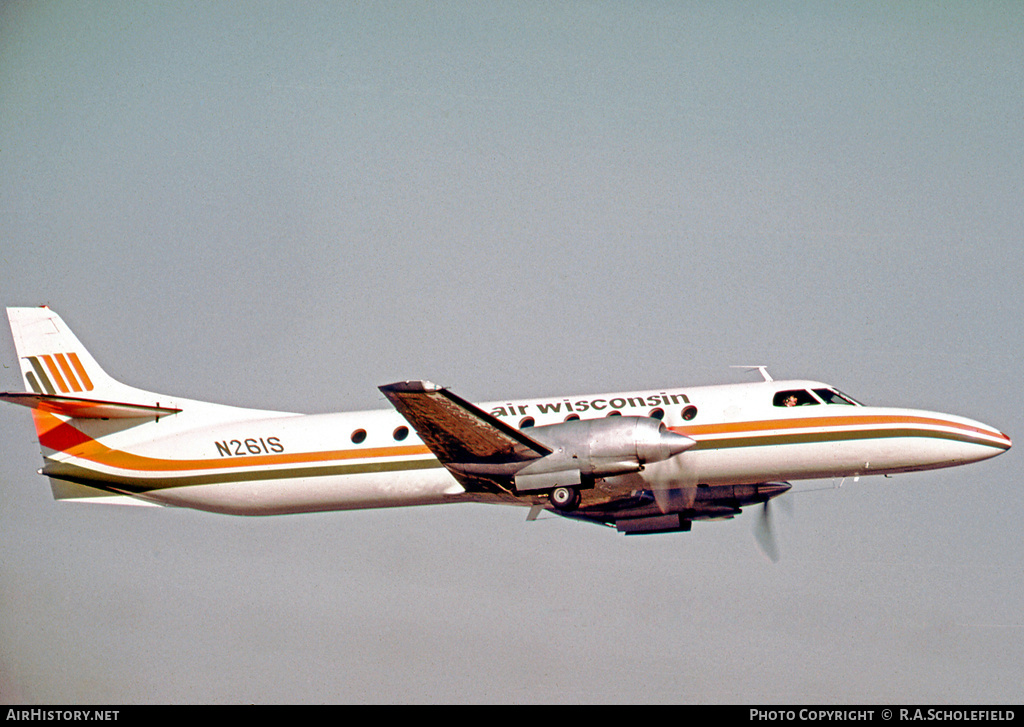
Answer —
794 397
834 396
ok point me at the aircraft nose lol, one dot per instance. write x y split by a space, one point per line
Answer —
1004 439
993 437
930 440
988 441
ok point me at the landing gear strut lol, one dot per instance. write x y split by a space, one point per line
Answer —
565 499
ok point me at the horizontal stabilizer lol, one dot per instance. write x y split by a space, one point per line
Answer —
70 406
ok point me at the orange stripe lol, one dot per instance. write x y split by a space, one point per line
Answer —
66 368
99 453
44 423
126 460
784 424
82 376
56 374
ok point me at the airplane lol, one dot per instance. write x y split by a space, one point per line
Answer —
639 462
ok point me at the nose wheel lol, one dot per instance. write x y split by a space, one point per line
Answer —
565 499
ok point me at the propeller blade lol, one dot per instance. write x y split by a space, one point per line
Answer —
765 536
674 499
664 500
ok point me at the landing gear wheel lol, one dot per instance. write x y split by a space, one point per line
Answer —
565 499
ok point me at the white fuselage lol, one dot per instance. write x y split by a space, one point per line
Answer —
250 462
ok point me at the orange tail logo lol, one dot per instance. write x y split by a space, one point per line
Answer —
64 370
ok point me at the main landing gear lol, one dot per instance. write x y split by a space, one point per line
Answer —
565 499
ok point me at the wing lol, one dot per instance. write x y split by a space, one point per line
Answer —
476 447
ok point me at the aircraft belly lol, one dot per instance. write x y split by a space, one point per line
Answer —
313 494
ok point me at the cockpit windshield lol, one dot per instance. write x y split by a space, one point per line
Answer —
834 396
794 397
803 397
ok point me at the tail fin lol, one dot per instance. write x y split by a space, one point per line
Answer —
61 377
53 360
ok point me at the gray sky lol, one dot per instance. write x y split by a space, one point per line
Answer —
284 205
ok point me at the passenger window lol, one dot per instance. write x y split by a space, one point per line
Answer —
796 397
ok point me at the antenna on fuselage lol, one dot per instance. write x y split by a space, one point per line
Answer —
762 369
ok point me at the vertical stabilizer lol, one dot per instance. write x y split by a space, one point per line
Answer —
53 361
70 394
61 377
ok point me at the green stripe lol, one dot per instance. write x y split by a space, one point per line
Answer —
818 437
43 378
138 485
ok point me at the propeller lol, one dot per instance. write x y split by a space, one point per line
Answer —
673 499
764 534
664 500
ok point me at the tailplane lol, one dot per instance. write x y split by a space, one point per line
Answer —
61 377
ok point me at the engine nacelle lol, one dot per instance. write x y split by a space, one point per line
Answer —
593 448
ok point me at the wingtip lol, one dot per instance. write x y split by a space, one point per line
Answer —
415 386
